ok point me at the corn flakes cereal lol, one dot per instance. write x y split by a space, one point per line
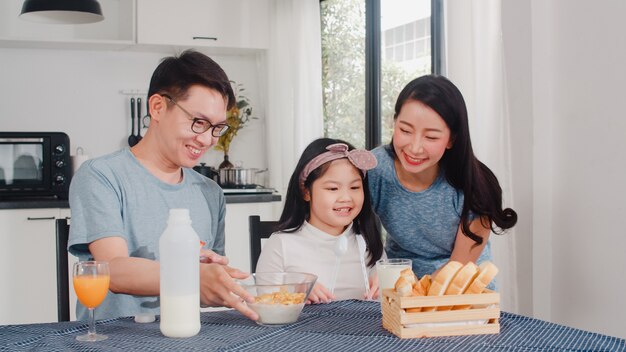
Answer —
280 297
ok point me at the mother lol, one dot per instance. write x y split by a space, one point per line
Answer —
436 200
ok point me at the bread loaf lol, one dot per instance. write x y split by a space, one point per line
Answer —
461 281
453 278
487 271
441 281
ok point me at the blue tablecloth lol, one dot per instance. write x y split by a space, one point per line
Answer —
339 326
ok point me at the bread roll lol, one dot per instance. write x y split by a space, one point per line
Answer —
441 281
487 271
403 287
408 275
461 281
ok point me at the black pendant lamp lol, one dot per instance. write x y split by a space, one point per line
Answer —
62 11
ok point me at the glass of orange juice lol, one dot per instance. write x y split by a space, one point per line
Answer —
91 283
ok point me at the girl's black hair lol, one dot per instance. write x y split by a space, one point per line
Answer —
481 190
297 210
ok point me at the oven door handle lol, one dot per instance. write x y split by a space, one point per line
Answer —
42 218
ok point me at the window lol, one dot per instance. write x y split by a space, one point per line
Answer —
370 50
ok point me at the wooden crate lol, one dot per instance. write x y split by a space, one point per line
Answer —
485 307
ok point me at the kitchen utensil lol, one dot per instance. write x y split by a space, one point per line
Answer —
341 247
132 139
139 120
208 172
238 177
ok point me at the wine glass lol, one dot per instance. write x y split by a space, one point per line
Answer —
91 283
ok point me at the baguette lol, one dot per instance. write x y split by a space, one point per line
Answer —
487 272
441 281
461 281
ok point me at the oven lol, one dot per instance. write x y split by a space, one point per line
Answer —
34 165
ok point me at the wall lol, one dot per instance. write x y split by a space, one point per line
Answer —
79 92
517 64
578 76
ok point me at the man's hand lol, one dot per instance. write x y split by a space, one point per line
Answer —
218 288
208 256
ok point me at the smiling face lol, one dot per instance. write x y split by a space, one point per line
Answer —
420 138
336 197
179 146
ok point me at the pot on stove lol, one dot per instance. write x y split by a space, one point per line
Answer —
239 177
208 172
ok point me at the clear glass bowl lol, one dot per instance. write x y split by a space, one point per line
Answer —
279 297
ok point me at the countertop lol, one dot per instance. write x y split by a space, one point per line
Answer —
56 203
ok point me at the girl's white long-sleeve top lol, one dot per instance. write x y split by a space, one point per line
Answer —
312 250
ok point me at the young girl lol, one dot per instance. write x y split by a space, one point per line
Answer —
327 226
434 198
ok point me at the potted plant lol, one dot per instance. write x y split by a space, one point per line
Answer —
237 117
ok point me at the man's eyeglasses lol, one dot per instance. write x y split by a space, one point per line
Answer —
200 125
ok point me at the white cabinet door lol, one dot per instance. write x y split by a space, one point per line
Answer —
197 23
28 266
238 232
117 30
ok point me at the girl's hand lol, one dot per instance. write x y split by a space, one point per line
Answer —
209 257
320 294
374 291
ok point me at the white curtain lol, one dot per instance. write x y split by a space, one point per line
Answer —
294 115
475 63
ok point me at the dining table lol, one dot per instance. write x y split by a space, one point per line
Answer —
350 325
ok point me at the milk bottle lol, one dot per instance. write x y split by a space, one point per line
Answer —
180 277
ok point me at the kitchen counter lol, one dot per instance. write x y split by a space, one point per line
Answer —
64 204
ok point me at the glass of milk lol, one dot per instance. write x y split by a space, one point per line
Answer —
389 271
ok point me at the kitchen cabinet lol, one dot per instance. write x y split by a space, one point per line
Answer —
27 265
238 232
117 30
232 24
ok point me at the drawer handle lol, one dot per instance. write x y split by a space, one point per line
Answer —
207 38
44 218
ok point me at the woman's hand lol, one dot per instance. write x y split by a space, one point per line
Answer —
320 294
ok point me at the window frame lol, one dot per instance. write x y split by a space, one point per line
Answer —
373 62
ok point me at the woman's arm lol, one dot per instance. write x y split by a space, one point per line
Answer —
465 249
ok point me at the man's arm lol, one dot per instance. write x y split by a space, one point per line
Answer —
135 276
139 276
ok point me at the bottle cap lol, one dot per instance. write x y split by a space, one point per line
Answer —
144 318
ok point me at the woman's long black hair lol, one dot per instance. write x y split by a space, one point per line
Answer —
481 190
297 210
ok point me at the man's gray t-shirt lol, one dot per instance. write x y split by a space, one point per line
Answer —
115 196
421 226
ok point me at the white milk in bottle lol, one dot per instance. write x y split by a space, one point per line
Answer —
180 276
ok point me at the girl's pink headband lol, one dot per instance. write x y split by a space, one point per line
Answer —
360 158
